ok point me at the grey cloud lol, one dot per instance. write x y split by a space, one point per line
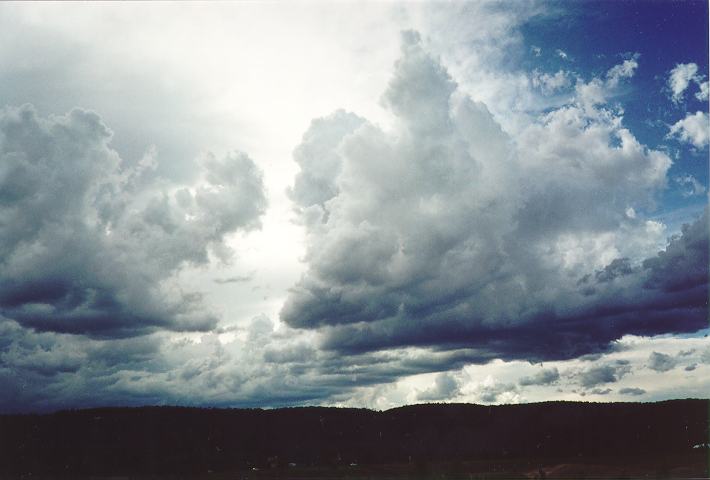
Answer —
445 387
683 265
617 268
543 377
90 245
661 362
495 391
319 159
298 353
236 279
44 371
599 391
632 391
444 231
603 374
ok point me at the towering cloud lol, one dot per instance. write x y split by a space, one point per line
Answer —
446 232
90 245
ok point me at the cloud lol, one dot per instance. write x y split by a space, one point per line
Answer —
632 391
599 391
491 390
661 362
550 83
235 279
603 374
543 377
626 69
596 91
679 79
692 185
562 54
91 245
702 95
693 129
416 234
445 387
682 266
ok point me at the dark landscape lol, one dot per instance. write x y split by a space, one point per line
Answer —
551 440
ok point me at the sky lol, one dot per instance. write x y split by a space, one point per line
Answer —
361 204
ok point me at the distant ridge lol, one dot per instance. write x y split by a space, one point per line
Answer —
159 440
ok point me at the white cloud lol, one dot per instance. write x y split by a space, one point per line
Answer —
445 387
627 69
549 83
679 79
691 186
693 129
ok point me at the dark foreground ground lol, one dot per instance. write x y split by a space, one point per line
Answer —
550 440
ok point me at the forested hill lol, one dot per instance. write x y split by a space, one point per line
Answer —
174 439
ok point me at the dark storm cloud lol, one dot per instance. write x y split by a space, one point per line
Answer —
446 233
90 245
543 377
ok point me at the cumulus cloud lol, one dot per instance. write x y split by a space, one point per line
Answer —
446 232
680 77
492 390
693 129
445 387
661 362
90 245
550 83
545 376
